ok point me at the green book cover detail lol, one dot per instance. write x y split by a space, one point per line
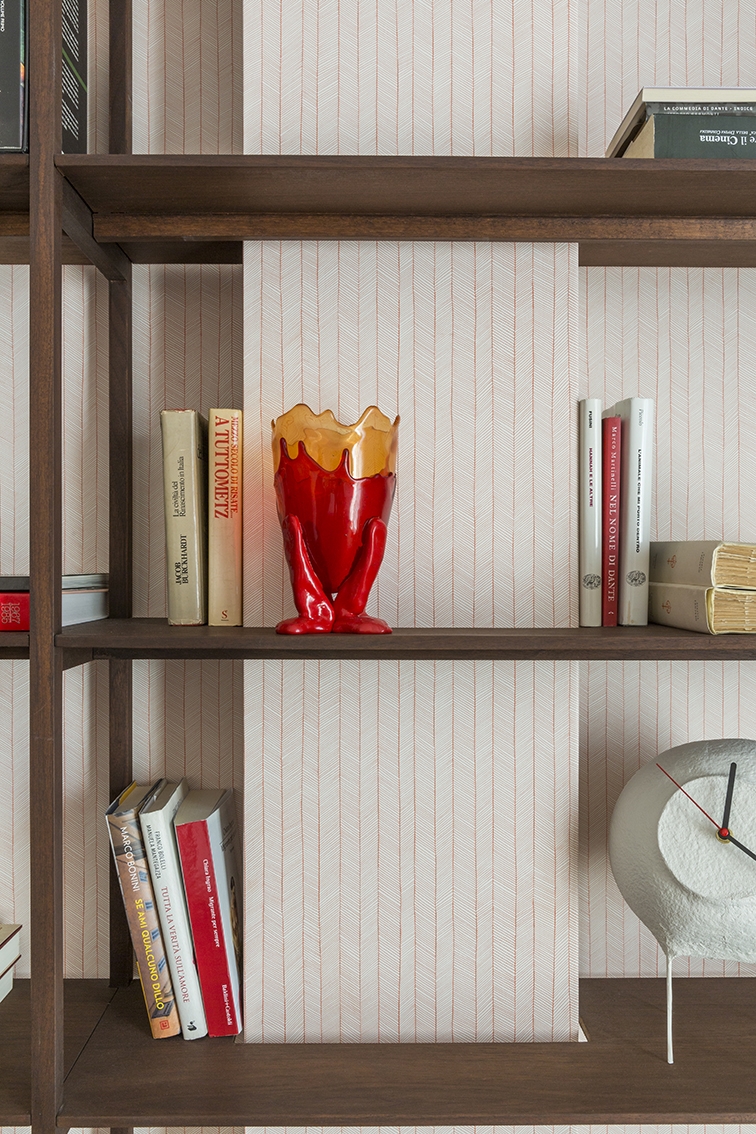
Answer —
695 136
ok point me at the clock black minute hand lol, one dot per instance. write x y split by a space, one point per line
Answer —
732 839
724 830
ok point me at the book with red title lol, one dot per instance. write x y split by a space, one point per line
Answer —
610 498
208 842
224 534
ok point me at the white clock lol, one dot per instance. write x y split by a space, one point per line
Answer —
682 846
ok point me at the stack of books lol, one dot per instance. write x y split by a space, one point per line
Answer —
177 858
616 458
704 585
10 952
84 599
688 122
202 488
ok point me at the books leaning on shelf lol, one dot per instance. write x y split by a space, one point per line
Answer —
703 562
139 902
156 820
84 598
207 836
10 952
589 424
184 438
224 527
709 610
660 123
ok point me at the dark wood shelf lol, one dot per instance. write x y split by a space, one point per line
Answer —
618 210
86 1001
14 644
154 638
619 1076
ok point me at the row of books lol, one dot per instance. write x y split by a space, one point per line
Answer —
176 852
688 122
10 953
202 483
14 78
616 458
84 598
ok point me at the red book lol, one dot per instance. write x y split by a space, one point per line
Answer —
207 837
14 610
611 442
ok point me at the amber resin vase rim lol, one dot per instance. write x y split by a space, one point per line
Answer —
370 443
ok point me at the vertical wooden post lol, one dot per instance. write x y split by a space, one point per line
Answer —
45 669
121 476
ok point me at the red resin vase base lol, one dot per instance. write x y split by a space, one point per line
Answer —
360 624
303 626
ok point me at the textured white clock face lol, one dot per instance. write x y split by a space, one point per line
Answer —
689 845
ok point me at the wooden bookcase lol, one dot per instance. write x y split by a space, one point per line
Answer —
73 1055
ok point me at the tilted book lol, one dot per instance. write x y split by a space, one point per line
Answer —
635 507
208 843
708 610
589 519
740 101
611 450
224 522
139 902
10 945
703 562
184 435
695 136
156 820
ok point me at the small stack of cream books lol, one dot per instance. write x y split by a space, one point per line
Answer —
10 952
703 585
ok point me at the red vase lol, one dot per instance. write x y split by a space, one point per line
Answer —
334 488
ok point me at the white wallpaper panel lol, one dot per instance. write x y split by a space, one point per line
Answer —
685 338
393 890
421 78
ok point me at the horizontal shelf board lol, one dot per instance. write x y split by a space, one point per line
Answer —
85 1002
14 183
668 253
619 1076
154 638
14 644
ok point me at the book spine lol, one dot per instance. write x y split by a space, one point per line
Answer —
589 426
162 852
635 509
703 136
224 569
14 610
74 77
202 898
12 77
184 435
674 604
611 447
142 918
683 561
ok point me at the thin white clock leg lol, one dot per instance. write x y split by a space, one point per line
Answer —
670 1055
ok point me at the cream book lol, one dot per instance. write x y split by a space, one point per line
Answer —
637 416
708 610
589 519
224 519
703 562
184 434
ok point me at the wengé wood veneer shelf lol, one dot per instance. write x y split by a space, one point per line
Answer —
619 211
154 638
125 1078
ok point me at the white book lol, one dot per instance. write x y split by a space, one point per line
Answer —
156 819
635 507
589 519
703 562
184 434
224 518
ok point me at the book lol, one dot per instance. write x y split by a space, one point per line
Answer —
14 79
703 562
80 601
694 136
6 979
708 610
156 820
636 464
10 945
184 438
224 518
139 902
611 449
739 101
589 431
207 836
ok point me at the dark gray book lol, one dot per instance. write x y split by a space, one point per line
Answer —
12 77
695 136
